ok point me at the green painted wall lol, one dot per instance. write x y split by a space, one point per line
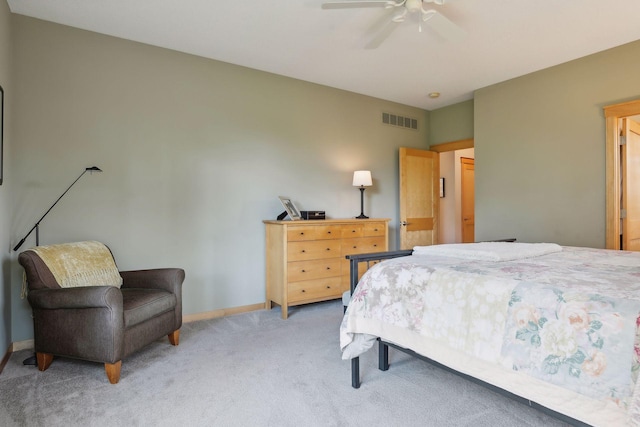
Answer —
540 149
195 153
5 212
452 123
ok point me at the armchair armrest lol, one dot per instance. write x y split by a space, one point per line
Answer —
82 297
168 279
66 320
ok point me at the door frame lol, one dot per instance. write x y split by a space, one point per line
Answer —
612 114
630 172
452 146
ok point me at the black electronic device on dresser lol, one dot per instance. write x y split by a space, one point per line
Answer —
312 214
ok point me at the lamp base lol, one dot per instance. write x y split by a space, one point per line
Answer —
362 215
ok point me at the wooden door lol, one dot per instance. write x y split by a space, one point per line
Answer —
630 157
467 196
419 197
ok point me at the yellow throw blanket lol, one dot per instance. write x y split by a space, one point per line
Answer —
80 264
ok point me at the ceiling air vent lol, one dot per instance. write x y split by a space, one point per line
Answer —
401 121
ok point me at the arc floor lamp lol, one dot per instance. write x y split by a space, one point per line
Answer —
32 360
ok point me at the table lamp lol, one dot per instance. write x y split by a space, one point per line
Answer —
362 179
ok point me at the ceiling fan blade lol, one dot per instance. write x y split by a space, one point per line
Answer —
446 28
382 35
356 4
381 21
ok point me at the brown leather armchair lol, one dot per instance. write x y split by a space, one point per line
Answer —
102 323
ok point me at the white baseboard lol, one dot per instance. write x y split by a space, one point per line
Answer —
21 345
222 312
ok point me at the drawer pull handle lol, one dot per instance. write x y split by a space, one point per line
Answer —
354 247
328 268
304 271
328 232
328 287
302 233
303 251
328 249
375 246
303 291
353 231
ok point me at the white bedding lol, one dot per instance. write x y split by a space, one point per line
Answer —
559 329
489 251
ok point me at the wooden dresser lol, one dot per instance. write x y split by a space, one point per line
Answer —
306 259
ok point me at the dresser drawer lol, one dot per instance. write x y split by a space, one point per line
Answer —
352 230
375 229
316 249
363 245
313 232
316 269
316 289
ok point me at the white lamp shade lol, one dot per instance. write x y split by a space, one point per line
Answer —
362 179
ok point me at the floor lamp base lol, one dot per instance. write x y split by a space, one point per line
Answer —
30 361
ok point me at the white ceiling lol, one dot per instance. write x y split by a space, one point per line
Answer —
296 38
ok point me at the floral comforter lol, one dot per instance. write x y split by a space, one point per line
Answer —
568 320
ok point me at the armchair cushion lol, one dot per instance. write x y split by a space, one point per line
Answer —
80 264
141 305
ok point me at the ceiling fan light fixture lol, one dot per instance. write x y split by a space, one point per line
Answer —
413 6
434 95
399 10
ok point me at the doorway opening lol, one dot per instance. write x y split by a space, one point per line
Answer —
467 199
615 195
451 224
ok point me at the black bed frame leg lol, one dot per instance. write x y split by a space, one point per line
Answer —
383 356
355 372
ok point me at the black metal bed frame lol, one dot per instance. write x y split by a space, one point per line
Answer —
383 346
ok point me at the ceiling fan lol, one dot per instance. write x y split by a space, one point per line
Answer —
402 9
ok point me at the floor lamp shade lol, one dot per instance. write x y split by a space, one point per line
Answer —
362 179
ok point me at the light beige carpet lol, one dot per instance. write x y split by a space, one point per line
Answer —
253 369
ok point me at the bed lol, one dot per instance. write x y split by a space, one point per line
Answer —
554 326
